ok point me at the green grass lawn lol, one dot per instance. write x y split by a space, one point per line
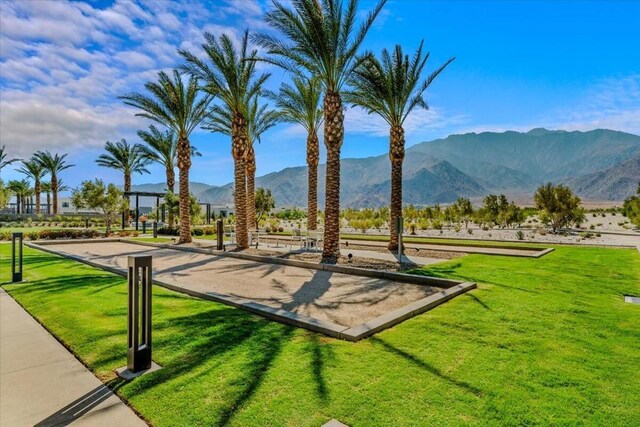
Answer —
541 341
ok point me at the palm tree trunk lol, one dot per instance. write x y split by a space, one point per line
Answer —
239 139
250 171
333 137
171 183
54 190
313 157
37 190
127 189
48 203
184 163
396 155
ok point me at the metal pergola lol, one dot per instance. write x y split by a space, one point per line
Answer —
138 194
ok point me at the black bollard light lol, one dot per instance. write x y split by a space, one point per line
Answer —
144 227
16 264
155 230
139 315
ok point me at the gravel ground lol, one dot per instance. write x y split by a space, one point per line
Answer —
339 298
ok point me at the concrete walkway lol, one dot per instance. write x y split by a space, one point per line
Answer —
42 384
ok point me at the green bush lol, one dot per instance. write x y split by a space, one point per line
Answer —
68 234
197 232
519 235
209 231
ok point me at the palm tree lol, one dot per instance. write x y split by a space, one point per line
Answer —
300 104
391 88
22 190
230 76
162 148
124 157
45 187
53 164
259 120
319 36
176 106
33 169
4 161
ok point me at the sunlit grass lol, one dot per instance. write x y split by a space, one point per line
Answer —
541 341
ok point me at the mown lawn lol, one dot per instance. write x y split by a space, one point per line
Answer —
541 341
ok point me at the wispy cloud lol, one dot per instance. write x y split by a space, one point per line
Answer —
64 64
612 103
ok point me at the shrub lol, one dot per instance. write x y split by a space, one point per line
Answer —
166 231
592 227
68 234
520 235
197 232
280 229
33 235
469 230
5 235
209 231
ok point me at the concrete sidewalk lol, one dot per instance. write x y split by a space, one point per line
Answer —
42 384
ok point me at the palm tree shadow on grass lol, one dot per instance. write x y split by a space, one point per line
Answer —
214 334
426 366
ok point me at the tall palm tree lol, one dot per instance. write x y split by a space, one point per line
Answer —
229 74
259 120
300 104
320 36
162 148
33 169
392 88
126 158
4 161
177 106
53 164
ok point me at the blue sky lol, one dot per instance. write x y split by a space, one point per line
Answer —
563 65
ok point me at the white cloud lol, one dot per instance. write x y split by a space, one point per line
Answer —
63 64
418 123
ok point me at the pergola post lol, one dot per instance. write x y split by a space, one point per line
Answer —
137 211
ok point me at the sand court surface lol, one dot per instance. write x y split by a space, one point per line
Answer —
333 297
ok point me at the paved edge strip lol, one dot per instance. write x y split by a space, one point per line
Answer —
334 330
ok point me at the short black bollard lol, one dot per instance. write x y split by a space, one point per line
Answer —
144 227
219 234
155 229
16 274
139 318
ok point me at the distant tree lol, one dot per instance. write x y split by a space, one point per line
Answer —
35 170
22 190
631 208
465 210
53 164
45 187
264 203
172 205
559 206
96 196
5 194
